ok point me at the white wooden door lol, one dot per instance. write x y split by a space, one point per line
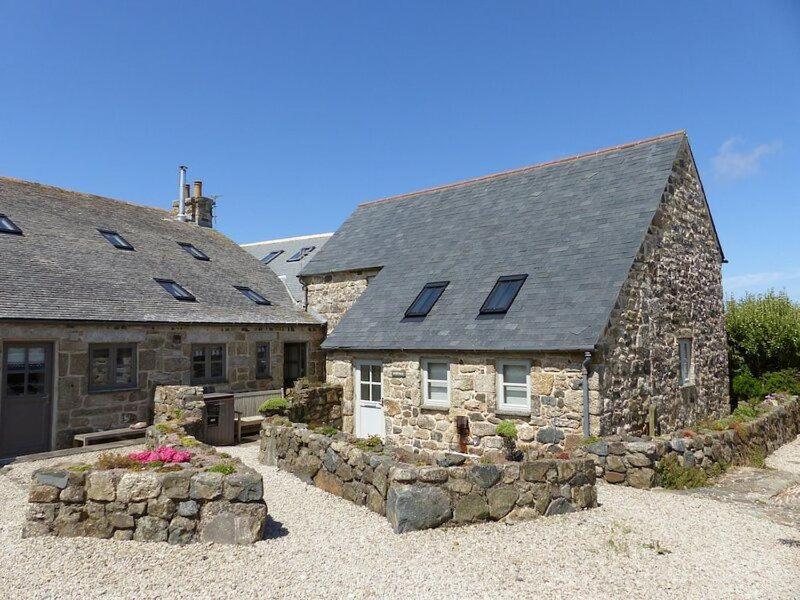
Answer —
369 400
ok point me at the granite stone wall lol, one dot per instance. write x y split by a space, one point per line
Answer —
674 291
316 404
634 461
163 354
179 507
554 422
452 491
332 295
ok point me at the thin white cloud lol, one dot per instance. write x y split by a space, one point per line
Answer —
760 280
731 163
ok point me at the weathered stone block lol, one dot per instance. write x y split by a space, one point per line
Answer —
206 486
470 508
224 522
415 507
536 470
102 485
559 506
188 508
72 493
484 476
501 500
161 507
176 485
328 482
150 529
54 477
244 487
43 493
641 478
120 520
135 487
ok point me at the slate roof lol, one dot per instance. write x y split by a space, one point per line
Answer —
61 268
288 271
573 226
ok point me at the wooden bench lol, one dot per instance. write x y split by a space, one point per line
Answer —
246 406
126 433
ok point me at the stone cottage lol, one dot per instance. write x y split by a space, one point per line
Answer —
575 297
102 300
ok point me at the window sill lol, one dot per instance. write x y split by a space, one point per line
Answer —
433 406
127 388
516 412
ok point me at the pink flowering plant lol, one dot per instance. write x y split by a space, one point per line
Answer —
164 454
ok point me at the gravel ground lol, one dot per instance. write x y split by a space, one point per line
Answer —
786 458
323 546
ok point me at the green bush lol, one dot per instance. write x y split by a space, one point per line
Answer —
328 430
673 476
787 380
223 468
274 404
763 333
744 386
371 444
507 429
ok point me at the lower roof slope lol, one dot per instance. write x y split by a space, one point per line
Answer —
287 270
62 268
573 226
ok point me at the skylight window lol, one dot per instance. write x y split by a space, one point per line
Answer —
115 239
425 300
194 251
300 254
502 295
271 256
8 226
254 296
176 290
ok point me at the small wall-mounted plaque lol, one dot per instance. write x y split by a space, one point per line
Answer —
398 373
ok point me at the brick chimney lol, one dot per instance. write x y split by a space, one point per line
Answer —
198 209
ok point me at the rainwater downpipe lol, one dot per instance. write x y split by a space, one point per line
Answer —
587 362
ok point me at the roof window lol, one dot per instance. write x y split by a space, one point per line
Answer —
425 300
502 295
115 239
8 226
194 251
254 296
176 290
301 254
271 256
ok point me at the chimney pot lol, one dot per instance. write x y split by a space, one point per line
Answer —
198 189
186 190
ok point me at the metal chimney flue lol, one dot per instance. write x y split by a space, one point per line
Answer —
181 191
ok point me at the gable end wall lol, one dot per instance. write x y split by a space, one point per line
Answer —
674 290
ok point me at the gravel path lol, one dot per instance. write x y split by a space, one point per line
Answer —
639 544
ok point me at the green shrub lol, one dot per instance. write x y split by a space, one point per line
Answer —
154 464
112 460
371 444
674 476
507 429
744 412
189 441
275 404
328 430
786 380
757 458
744 386
763 333
224 468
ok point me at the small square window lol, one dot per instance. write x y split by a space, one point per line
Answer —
435 384
271 256
425 300
254 296
208 364
112 367
514 387
115 239
686 361
176 290
8 226
301 254
502 295
194 251
262 361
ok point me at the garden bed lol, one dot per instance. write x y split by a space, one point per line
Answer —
454 490
178 493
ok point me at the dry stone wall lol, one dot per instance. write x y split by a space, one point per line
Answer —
674 290
179 507
316 404
331 296
453 491
634 461
163 354
554 422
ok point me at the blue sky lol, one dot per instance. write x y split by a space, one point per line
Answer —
294 112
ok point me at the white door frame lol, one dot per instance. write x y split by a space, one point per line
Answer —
372 404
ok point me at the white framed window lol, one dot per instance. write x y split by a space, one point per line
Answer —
686 361
435 383
514 386
368 376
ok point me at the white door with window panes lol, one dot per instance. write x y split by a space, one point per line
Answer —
369 399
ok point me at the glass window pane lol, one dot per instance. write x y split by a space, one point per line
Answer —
123 372
15 384
376 392
502 294
15 359
365 389
437 393
437 371
36 383
376 373
99 369
515 374
36 358
198 363
516 396
217 369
